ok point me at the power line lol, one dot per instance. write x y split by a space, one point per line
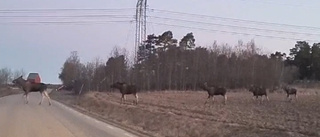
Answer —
234 26
129 16
62 16
66 22
157 10
283 4
50 10
157 17
150 9
234 19
229 32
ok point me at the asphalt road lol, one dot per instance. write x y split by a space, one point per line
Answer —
32 120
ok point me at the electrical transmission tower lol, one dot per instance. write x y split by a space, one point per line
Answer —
141 25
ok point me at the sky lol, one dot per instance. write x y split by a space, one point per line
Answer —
44 47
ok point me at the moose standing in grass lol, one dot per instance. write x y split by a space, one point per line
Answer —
290 91
28 87
126 89
214 91
258 91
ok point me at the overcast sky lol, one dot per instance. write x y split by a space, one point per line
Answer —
43 47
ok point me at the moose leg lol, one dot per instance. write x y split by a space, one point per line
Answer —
289 97
137 98
207 100
46 94
225 99
213 99
296 96
267 98
24 95
253 97
260 101
257 97
122 98
42 96
27 98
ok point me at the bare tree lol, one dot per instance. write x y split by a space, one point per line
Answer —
5 76
18 73
71 71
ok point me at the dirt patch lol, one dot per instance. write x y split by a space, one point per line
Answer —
173 114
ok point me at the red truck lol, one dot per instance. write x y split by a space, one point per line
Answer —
34 77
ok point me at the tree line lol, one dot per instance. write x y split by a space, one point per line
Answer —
165 63
7 75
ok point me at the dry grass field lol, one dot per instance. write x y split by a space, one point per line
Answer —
176 113
9 91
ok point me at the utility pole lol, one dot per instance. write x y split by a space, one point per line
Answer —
141 25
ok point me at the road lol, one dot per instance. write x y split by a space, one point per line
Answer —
32 120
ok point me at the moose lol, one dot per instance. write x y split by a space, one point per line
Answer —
64 87
214 91
258 91
28 87
61 88
126 89
290 91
